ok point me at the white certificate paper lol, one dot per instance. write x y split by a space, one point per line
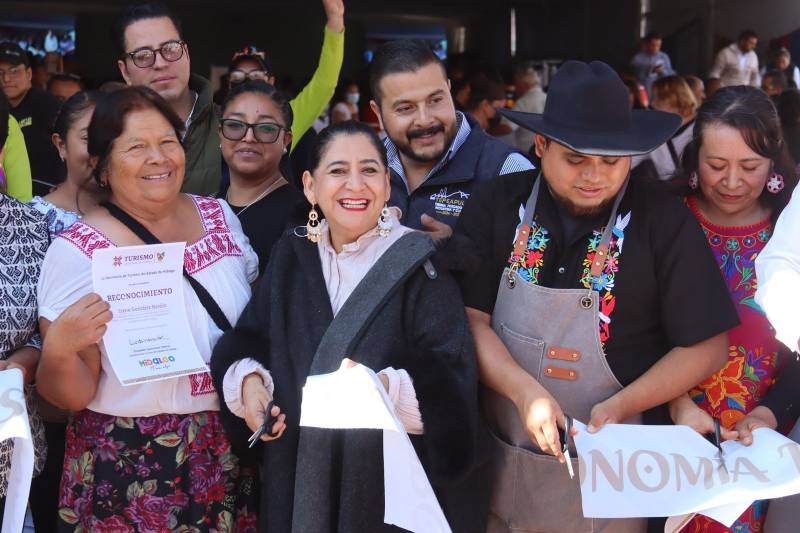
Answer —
149 337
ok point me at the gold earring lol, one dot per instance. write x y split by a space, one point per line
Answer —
313 231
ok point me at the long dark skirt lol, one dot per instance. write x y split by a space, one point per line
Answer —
153 474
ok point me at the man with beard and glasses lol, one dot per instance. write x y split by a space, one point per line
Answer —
437 155
589 295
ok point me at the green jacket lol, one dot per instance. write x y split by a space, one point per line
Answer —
201 142
308 105
16 164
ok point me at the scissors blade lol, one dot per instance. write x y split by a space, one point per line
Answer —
718 442
565 445
569 464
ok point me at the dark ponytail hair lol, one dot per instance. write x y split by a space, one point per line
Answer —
72 109
349 128
751 112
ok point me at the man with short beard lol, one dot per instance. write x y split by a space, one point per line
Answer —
590 295
437 155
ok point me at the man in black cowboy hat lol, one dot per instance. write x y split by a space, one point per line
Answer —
590 296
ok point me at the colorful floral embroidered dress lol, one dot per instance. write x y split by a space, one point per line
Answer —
739 387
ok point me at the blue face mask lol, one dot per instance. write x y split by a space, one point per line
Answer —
353 98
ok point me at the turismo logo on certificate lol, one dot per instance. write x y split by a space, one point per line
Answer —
149 337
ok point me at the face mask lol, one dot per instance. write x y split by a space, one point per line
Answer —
352 98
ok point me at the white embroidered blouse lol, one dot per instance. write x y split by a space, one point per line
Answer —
222 261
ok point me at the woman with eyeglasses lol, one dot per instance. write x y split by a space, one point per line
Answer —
255 136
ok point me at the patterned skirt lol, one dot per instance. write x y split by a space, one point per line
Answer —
154 474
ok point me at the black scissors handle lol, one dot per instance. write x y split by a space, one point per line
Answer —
565 436
267 427
717 434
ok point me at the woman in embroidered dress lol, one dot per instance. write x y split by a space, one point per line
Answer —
740 179
78 193
315 479
147 457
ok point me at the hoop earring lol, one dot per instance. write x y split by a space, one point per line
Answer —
775 183
385 222
694 182
313 231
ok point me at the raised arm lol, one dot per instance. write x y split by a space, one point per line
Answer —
307 105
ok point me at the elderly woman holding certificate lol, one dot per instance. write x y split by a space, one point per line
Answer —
355 285
150 456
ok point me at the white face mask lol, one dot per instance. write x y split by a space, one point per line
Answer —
353 98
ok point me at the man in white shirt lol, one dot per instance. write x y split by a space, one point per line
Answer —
736 64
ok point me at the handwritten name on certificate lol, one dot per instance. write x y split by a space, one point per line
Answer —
149 337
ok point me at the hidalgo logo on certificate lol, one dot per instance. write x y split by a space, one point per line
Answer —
149 337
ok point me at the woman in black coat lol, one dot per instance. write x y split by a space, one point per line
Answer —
320 480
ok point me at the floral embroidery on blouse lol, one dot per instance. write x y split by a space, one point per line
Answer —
218 242
530 263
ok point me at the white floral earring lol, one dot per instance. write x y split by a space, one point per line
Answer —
385 222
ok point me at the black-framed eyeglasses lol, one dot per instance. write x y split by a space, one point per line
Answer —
238 76
146 57
236 130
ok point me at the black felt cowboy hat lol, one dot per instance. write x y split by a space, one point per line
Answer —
588 110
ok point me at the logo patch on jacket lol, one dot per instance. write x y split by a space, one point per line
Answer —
449 204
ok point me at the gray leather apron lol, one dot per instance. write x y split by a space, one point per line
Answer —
553 334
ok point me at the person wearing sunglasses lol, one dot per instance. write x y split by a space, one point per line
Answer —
254 135
252 64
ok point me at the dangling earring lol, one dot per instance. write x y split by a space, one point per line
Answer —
285 150
775 183
313 231
694 182
385 222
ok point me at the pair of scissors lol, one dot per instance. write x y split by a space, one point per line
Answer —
565 445
718 443
267 427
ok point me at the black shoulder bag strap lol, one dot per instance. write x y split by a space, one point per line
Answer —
393 268
144 234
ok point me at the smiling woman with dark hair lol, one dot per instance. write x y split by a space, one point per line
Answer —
157 453
359 276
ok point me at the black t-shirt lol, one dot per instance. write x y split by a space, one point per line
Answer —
36 114
264 221
667 291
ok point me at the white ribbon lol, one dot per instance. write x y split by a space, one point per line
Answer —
14 425
352 398
631 471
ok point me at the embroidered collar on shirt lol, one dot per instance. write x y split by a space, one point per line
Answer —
393 154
